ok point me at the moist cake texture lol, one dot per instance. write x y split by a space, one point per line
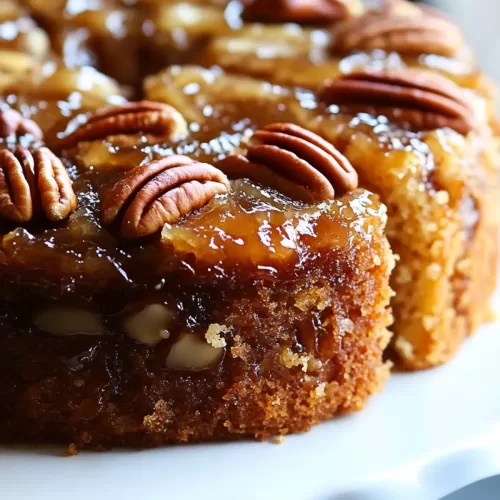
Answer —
193 234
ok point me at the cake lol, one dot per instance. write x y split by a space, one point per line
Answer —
201 207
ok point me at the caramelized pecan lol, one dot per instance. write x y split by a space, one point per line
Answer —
417 99
294 161
13 123
161 192
17 183
153 120
301 11
403 28
34 182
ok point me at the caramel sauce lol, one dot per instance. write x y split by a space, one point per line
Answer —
253 228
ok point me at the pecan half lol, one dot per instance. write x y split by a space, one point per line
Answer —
403 28
34 182
417 99
294 161
301 11
161 192
13 123
154 120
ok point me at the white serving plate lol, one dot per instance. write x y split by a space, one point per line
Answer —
427 435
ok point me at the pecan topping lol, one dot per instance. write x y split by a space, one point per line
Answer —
403 28
156 121
295 161
34 182
161 192
301 11
13 123
417 99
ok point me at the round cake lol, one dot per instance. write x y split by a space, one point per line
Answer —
196 204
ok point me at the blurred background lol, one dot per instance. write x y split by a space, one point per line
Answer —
479 20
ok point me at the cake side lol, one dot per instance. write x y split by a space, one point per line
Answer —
445 235
393 36
316 351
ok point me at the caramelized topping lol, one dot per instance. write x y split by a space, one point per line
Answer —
402 28
418 99
32 182
161 192
157 121
13 123
300 11
295 161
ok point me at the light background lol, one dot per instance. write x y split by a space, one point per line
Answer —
480 21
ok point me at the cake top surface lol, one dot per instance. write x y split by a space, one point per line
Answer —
311 74
253 226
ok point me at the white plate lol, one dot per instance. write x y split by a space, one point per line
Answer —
427 435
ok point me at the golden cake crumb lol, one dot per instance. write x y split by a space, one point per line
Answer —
213 335
291 359
72 450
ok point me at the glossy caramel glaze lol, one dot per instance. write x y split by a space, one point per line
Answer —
252 230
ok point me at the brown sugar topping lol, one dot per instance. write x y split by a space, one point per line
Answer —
416 98
295 161
13 123
300 11
156 121
161 192
402 28
32 182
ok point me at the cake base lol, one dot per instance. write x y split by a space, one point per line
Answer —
296 353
